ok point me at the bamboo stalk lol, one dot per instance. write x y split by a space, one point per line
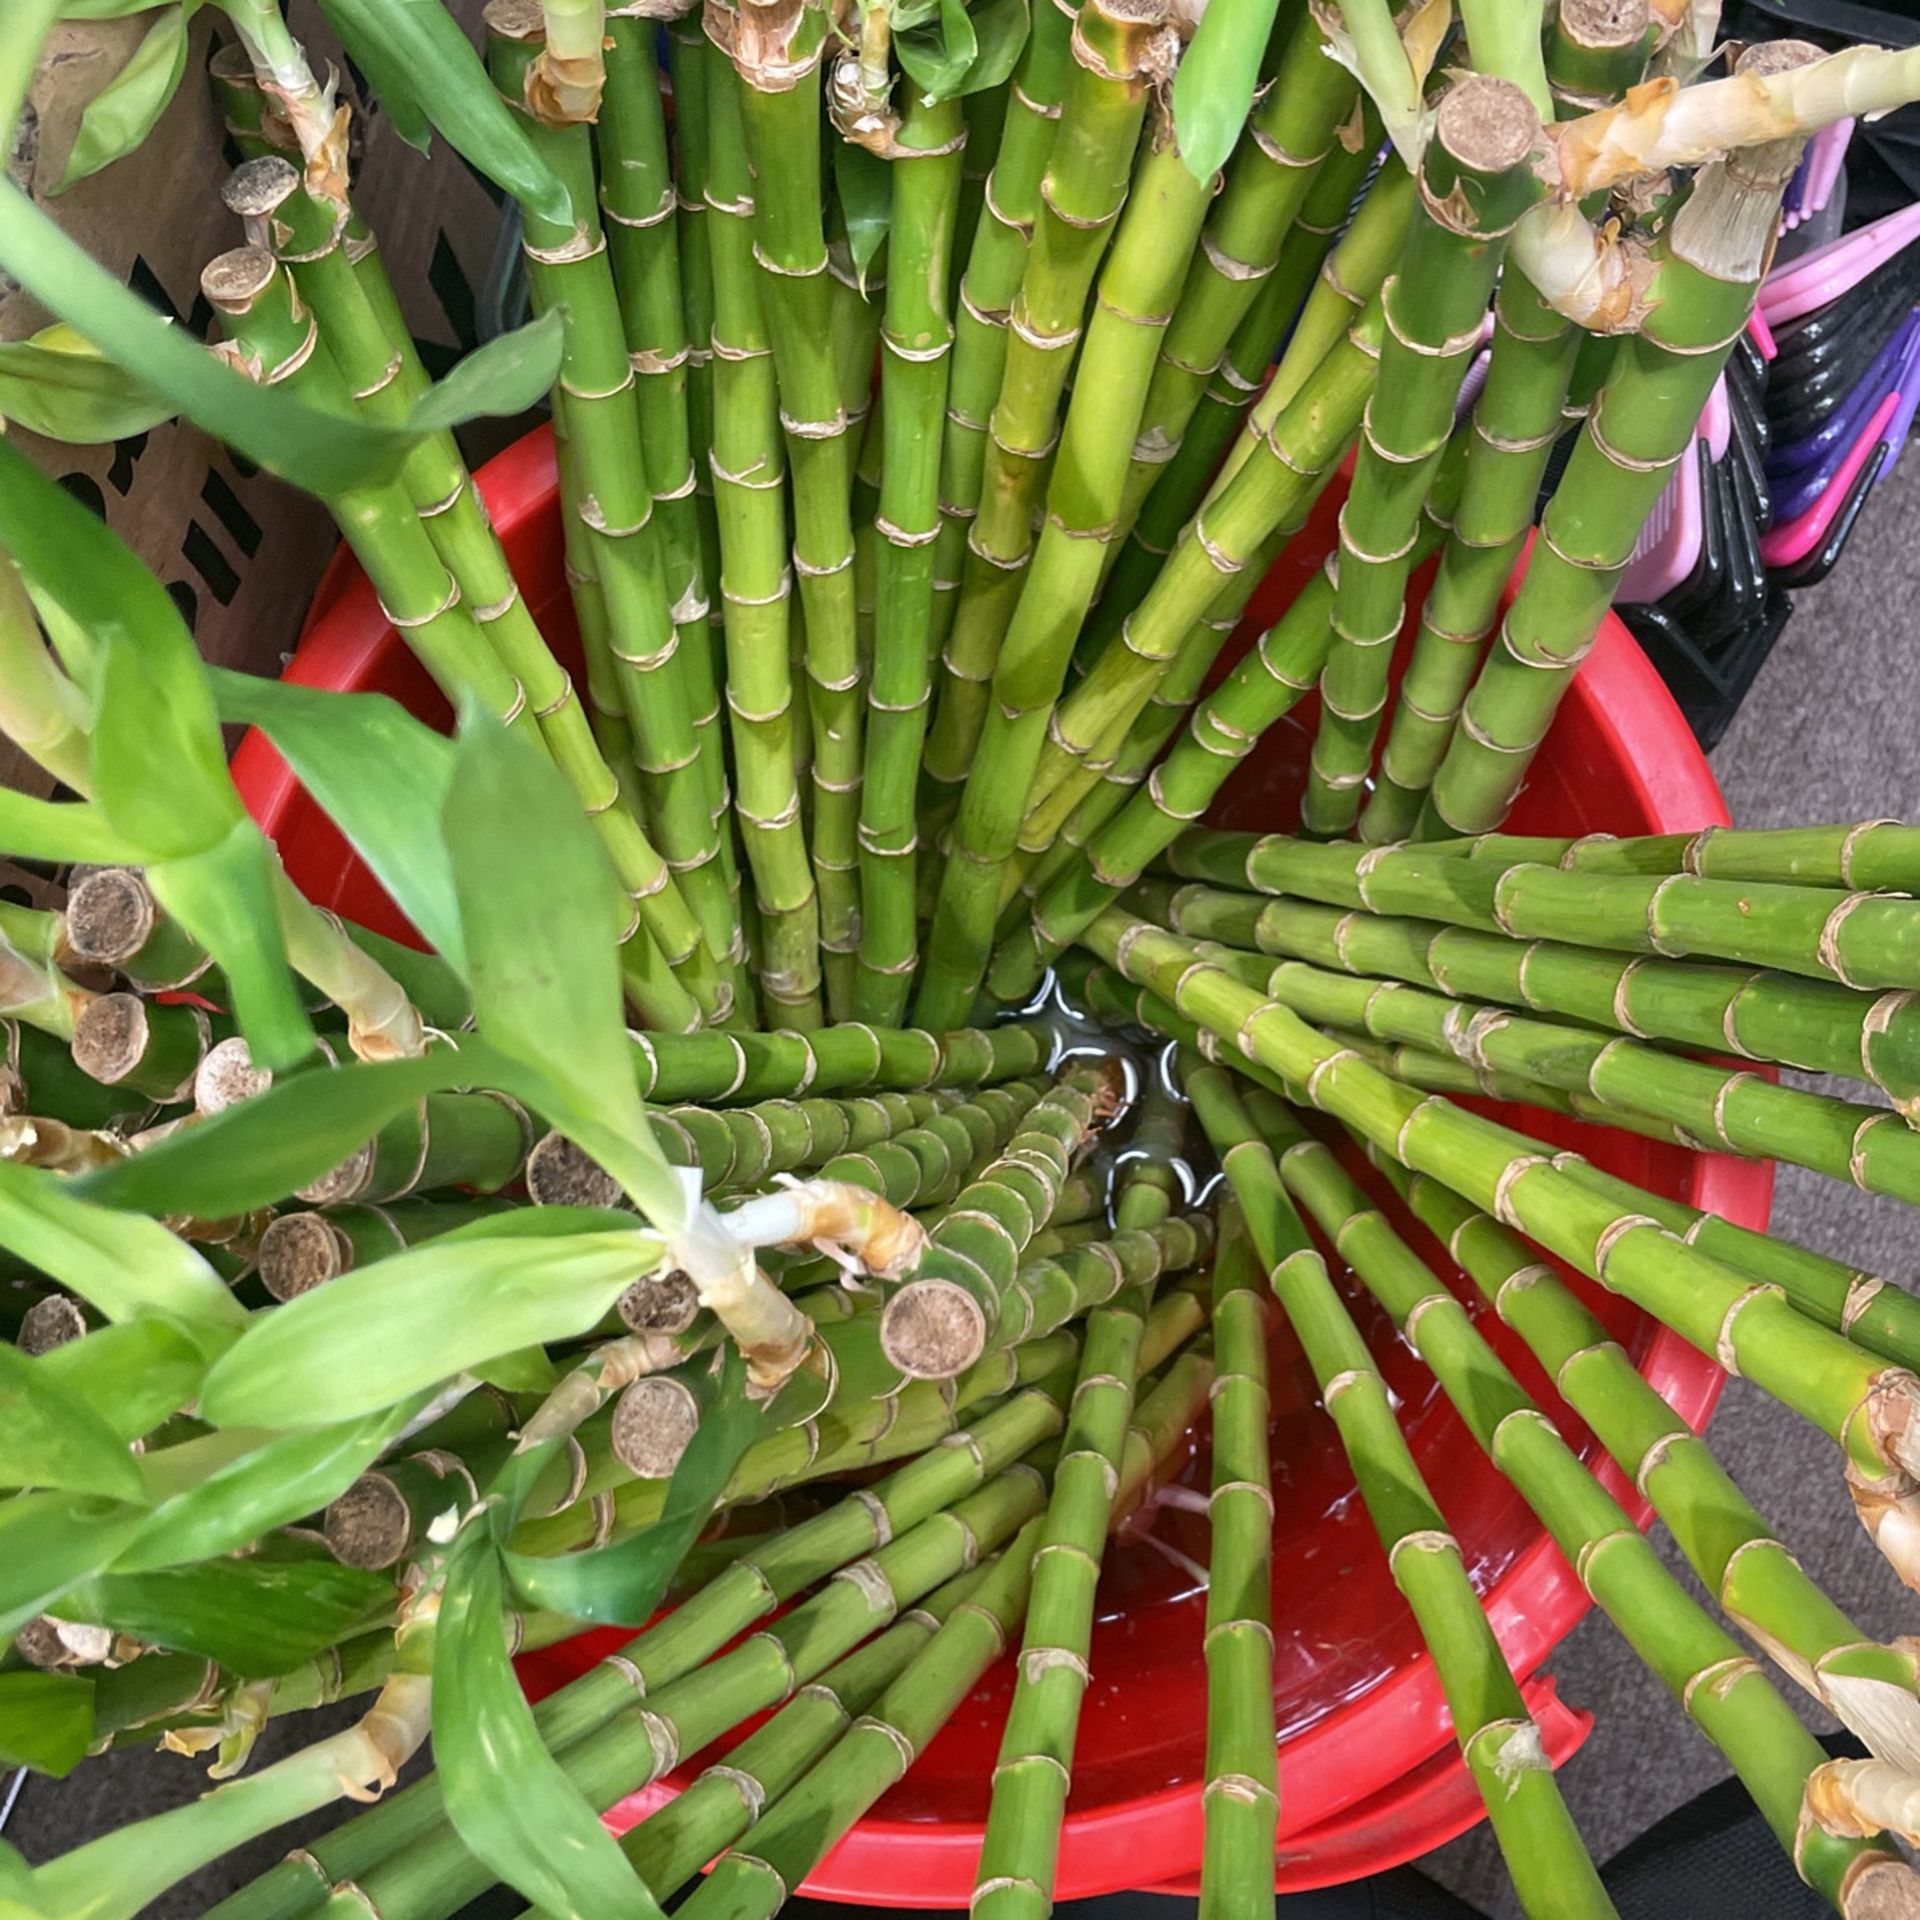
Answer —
916 342
1213 554
1474 184
1708 261
1841 1389
1241 1798
776 52
1863 940
780 1848
1757 1581
1724 1692
598 411
1081 195
748 468
996 260
949 1310
1549 1865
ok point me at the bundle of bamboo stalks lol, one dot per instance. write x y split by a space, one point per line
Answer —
931 389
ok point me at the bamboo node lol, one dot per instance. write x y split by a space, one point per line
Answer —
1421 1540
1513 1173
1829 948
1518 1281
1726 1350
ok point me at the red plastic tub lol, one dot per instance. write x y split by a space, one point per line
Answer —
1369 1775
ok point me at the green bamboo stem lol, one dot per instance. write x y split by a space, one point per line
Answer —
949 1311
1298 129
782 1847
435 1875
308 234
1307 442
1718 1111
1269 681
1354 273
1446 1073
669 1847
1103 108
1474 184
148 1048
1756 1580
275 341
1139 285
1873 1312
476 1140
717 1069
918 1503
1551 1870
778 61
1165 486
418 592
916 343
639 204
1212 555
739 1147
748 469
1724 1692
1865 941
1019 1854
1844 1391
996 260
1871 856
1241 1798
1515 425
690 63
597 408
1708 261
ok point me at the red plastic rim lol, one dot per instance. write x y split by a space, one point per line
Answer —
1368 1773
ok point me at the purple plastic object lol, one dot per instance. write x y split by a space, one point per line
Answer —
1790 540
1825 274
1789 461
1813 183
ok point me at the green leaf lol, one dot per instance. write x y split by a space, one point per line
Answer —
224 897
119 1262
59 830
420 40
256 1617
46 1720
505 1793
511 373
403 1325
541 914
936 56
52 1438
282 1140
392 86
527 1371
157 763
623 1585
381 777
122 113
220 1493
132 1374
1213 86
48 1541
864 183
322 450
58 385
107 9
157 770
1001 28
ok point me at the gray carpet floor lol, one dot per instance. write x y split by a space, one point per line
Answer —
1827 734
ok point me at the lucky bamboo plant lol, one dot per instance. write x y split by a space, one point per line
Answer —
613 1253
